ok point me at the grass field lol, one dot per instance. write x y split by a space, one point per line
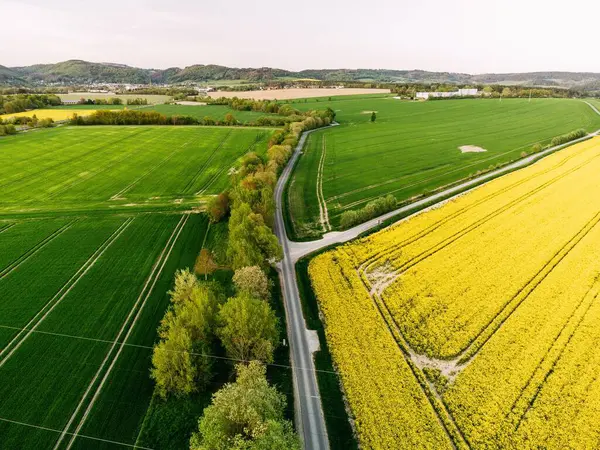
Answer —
476 324
413 148
107 168
94 222
217 112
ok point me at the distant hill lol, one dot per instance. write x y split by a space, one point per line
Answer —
9 76
83 72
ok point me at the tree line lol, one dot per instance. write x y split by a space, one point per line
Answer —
10 104
246 413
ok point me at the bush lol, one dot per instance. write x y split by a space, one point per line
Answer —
537 148
218 207
559 140
373 209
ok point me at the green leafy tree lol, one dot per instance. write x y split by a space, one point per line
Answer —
246 415
252 281
248 329
251 242
180 362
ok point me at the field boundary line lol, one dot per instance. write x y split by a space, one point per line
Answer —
35 249
63 292
129 325
323 215
190 183
54 430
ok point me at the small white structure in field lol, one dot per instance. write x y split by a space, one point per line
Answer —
459 93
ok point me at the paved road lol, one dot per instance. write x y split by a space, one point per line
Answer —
309 412
308 408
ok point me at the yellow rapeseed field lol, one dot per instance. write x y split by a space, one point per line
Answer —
54 114
498 289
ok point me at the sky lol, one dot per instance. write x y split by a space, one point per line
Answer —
440 35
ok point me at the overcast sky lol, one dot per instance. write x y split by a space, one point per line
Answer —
442 35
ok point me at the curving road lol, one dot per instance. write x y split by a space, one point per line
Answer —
303 342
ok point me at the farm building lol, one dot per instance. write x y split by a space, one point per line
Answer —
459 93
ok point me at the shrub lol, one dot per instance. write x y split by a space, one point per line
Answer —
373 209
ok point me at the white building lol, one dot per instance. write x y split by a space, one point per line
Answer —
459 93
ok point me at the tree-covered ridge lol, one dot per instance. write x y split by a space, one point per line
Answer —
79 71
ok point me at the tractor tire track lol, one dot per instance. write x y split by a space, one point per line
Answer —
35 249
126 330
41 315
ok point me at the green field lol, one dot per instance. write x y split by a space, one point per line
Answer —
94 222
216 112
413 148
119 168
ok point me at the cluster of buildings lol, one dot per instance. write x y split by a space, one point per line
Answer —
459 93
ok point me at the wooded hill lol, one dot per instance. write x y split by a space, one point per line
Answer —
82 72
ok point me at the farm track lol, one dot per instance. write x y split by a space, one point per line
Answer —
122 337
45 311
323 215
511 306
202 168
7 227
33 250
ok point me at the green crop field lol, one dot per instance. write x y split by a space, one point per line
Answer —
110 168
216 112
94 222
413 148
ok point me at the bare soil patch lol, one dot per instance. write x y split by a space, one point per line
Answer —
288 94
471 149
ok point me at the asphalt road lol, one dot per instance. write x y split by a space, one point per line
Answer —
308 407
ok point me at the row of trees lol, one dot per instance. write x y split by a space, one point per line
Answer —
10 104
197 322
112 101
251 238
248 413
245 325
131 117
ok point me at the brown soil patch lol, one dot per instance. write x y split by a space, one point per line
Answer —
288 94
